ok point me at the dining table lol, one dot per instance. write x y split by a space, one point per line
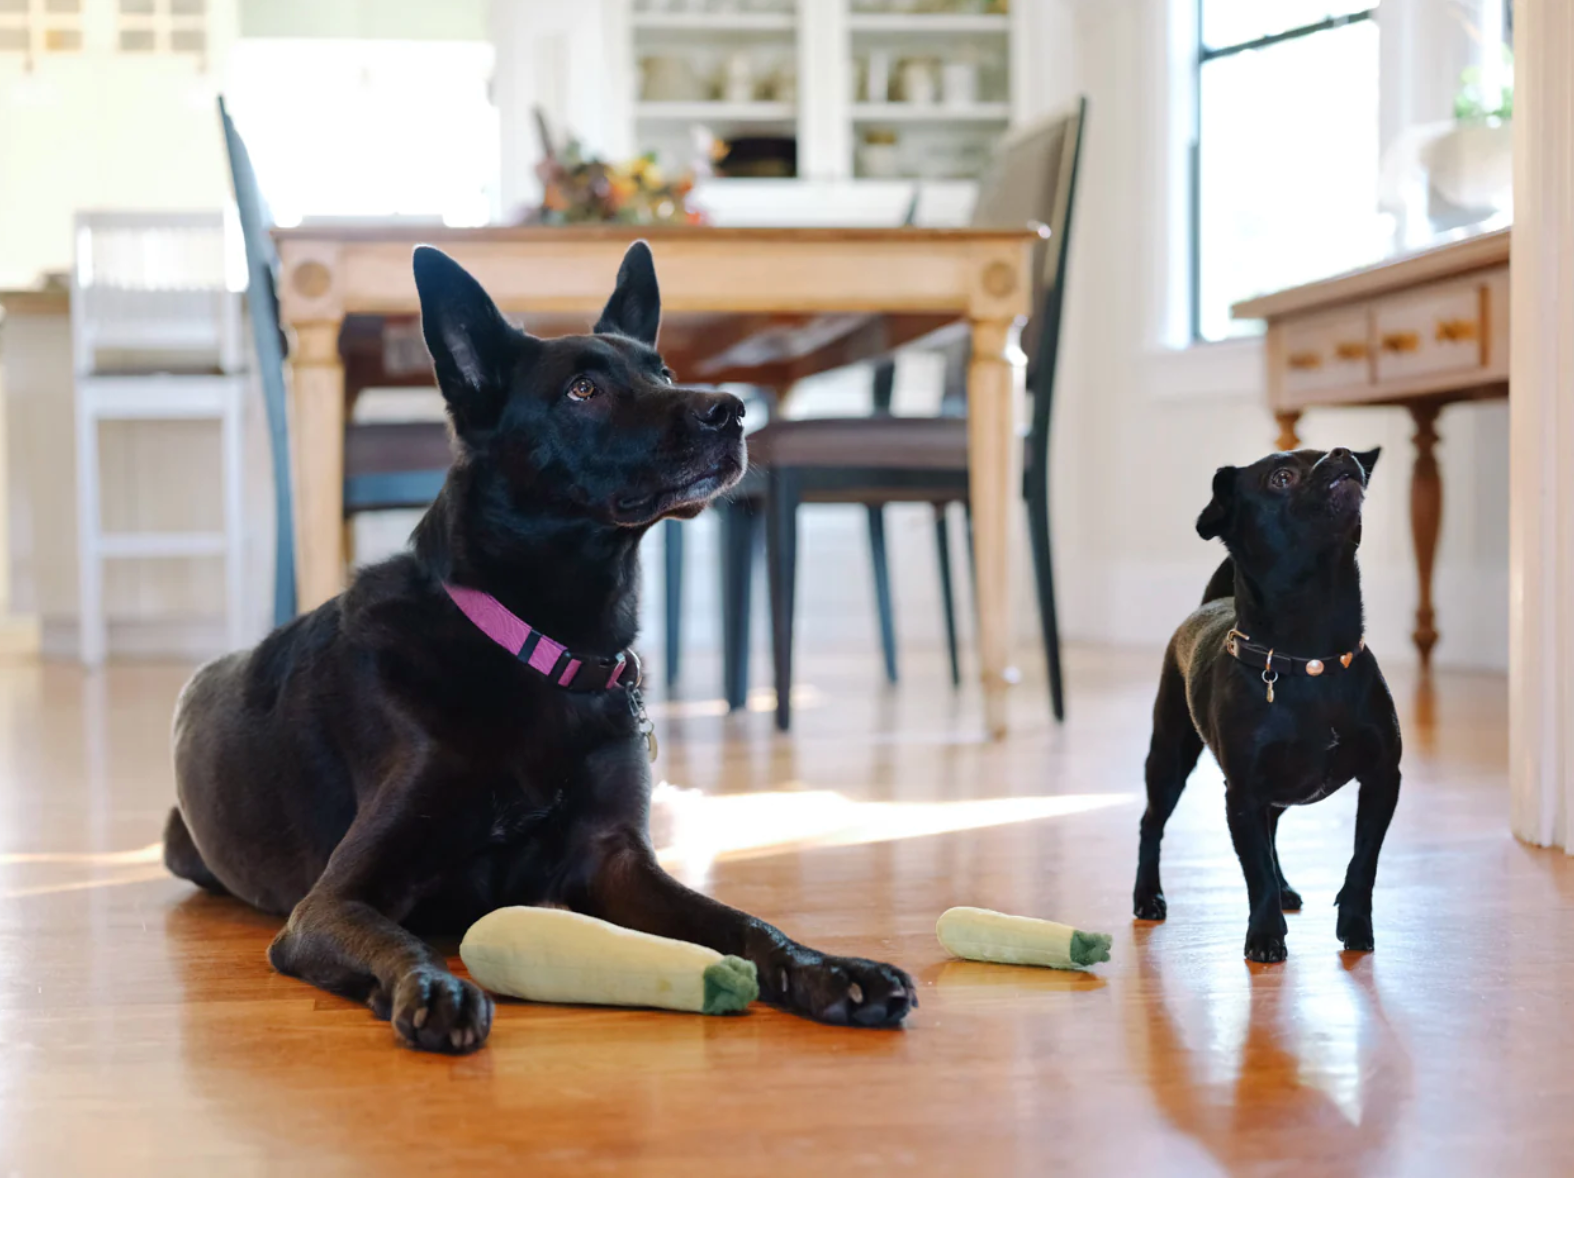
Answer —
763 307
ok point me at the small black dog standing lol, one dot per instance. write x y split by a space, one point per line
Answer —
384 765
1273 674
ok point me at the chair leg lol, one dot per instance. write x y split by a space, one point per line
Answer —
972 556
882 589
781 555
1044 578
947 596
739 519
672 597
91 628
234 438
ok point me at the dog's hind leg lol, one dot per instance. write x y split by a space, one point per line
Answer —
1289 897
1172 756
182 859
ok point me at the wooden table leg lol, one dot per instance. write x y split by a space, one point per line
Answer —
317 458
995 482
1426 517
1289 439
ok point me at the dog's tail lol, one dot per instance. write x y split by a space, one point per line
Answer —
1222 584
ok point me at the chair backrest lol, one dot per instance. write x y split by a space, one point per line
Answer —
1032 178
262 302
152 285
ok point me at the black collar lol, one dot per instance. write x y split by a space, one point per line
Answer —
1273 664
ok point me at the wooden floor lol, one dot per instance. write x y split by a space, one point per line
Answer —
141 1030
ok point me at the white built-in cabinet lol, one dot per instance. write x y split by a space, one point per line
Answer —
877 89
631 76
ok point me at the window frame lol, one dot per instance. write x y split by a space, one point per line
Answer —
1202 55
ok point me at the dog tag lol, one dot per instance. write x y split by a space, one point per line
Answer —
642 720
1270 678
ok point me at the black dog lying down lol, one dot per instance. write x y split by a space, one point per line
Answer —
412 755
1273 675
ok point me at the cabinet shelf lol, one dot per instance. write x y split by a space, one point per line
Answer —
930 23
714 110
987 110
716 22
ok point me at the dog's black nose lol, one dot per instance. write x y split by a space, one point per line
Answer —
1338 453
722 411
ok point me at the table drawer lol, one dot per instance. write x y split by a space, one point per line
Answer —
1323 354
1430 333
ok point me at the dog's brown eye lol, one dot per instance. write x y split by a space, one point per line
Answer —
582 388
1282 479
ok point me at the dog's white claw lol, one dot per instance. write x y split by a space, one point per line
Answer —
855 993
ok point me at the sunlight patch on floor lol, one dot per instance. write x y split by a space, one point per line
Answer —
759 701
692 829
145 855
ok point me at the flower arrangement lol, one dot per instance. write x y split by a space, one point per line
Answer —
579 189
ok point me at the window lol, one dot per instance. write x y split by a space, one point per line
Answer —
162 26
369 128
1285 156
40 27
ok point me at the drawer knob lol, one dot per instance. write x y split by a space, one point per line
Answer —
1304 360
1401 343
1350 350
1457 330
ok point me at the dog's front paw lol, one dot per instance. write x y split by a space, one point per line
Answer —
840 990
1355 930
1149 905
436 1011
1266 949
1265 941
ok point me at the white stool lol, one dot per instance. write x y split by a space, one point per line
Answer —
151 289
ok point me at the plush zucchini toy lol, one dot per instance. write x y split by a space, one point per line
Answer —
553 956
980 934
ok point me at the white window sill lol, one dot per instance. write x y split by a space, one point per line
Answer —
1233 371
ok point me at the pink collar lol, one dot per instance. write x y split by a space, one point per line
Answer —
541 653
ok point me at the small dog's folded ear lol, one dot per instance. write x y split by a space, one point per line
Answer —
474 350
1368 459
634 310
1219 514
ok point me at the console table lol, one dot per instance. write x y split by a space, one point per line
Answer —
1420 331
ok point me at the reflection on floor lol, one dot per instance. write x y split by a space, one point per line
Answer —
145 1033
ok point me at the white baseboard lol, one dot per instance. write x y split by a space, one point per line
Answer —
1140 605
183 640
19 637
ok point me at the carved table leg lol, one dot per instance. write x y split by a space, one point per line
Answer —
1426 517
995 472
317 454
1289 439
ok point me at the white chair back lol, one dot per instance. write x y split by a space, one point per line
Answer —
155 286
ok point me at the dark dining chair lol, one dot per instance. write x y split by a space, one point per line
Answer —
1032 179
390 465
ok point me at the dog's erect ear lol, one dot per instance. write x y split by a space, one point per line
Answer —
1218 514
473 348
634 310
1368 459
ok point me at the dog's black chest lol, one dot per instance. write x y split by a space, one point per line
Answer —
1313 756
